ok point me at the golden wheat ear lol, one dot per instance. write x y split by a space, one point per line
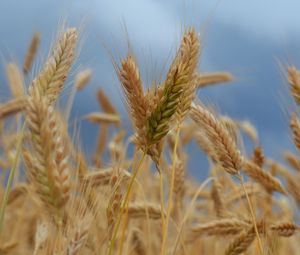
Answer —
204 80
294 82
258 156
50 80
15 79
243 241
131 82
225 150
295 127
285 229
190 50
292 160
269 182
178 90
13 106
49 171
220 227
31 52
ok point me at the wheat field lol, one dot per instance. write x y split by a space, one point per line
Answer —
55 199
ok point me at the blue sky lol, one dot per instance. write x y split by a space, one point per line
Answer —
251 39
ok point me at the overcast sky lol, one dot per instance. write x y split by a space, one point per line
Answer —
250 38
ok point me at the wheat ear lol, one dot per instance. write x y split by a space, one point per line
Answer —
82 79
31 52
129 76
15 80
221 227
285 229
258 157
50 80
138 242
78 240
12 107
50 172
190 43
243 241
225 149
144 210
295 127
204 80
269 182
294 81
179 78
292 160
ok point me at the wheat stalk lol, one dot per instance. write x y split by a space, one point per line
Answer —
216 195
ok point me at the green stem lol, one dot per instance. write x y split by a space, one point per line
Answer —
252 215
170 193
10 180
125 203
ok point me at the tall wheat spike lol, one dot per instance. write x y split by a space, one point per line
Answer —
294 81
190 41
262 177
50 80
50 172
129 76
15 80
295 127
32 50
243 241
225 149
175 91
204 80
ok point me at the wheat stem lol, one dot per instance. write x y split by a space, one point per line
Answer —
188 212
125 203
162 206
163 248
252 214
123 232
10 179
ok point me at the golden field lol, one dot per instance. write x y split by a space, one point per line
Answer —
55 199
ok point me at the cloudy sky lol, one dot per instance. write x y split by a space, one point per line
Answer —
252 39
